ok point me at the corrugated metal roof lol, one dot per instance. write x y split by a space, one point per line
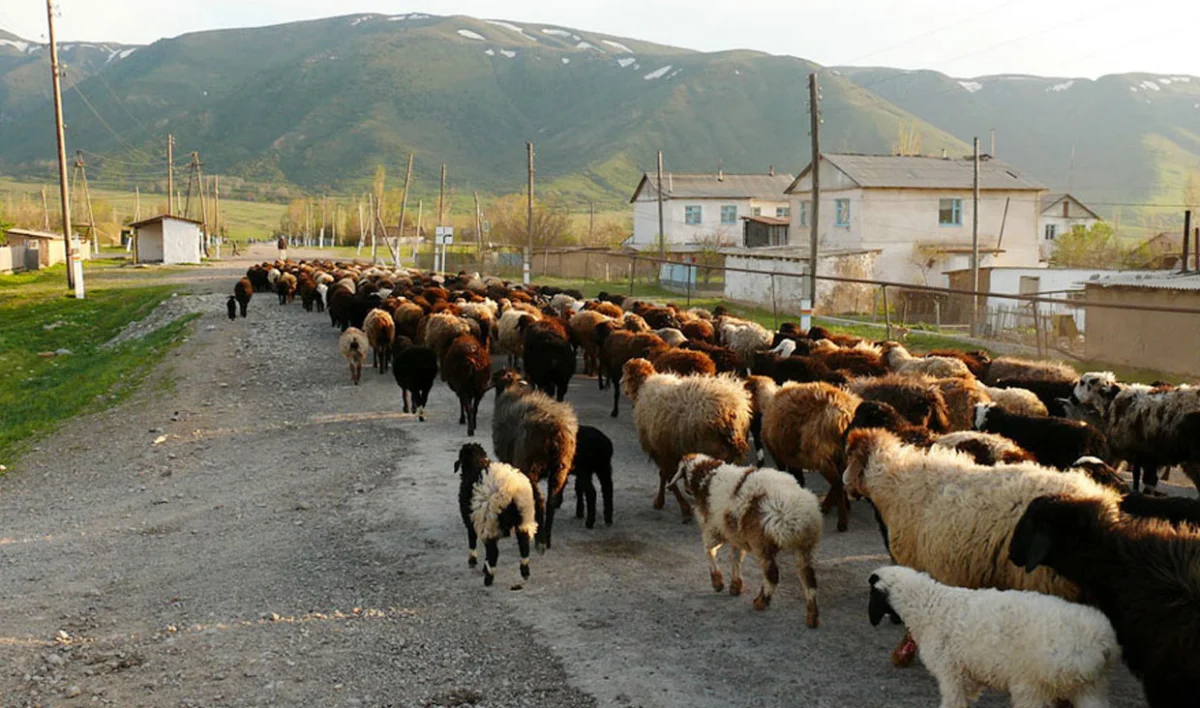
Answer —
925 172
708 186
1151 280
29 233
163 217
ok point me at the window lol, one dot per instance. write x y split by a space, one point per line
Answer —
1051 231
756 211
783 212
691 214
950 212
842 207
728 214
802 214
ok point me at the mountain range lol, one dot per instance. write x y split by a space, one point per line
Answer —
318 104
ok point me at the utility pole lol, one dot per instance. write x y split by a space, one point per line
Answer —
371 213
204 241
662 246
137 203
404 205
420 223
193 170
45 211
55 75
527 270
170 172
478 230
591 222
217 205
975 244
814 128
87 196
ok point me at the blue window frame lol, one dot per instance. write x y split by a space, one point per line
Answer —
729 214
691 214
842 210
950 212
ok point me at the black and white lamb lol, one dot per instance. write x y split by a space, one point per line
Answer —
1039 648
1055 442
496 501
1143 574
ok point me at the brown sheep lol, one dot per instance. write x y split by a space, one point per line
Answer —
467 369
353 346
607 309
381 331
242 292
618 346
699 330
962 395
443 328
726 360
918 399
582 326
679 415
684 362
803 428
407 317
977 361
1006 367
854 362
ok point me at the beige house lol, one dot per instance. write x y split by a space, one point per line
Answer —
1164 341
917 211
1061 213
704 209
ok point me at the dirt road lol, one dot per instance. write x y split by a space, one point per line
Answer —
250 529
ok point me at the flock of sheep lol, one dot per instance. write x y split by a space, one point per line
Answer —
1022 561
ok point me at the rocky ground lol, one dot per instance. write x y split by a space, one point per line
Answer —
251 529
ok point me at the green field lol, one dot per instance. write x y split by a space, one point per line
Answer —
37 393
245 220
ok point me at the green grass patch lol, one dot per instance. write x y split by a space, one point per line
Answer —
39 393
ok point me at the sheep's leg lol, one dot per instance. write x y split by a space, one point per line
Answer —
1150 479
474 417
579 494
1092 696
1024 696
492 549
808 581
1191 470
712 544
736 582
954 694
615 382
404 397
523 547
770 570
799 475
472 541
606 490
462 409
589 493
539 513
660 498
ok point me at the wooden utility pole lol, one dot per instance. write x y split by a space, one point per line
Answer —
45 211
662 247
404 202
814 113
478 229
591 223
55 75
975 243
361 232
371 213
170 172
193 170
217 205
204 241
137 203
87 197
527 269
420 218
1187 230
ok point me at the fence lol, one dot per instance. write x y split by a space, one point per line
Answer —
13 259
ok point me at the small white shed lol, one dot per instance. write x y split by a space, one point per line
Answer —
166 239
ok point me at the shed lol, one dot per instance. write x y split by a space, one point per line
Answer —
1166 341
166 239
764 231
42 249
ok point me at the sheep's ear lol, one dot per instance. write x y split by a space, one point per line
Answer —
457 466
1039 548
873 579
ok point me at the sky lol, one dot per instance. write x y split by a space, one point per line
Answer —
963 38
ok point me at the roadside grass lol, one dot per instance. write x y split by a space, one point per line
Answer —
37 394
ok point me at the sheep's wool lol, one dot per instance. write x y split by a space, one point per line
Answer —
499 486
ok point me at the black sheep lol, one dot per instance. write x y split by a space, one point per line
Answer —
415 369
242 292
1176 510
1055 442
593 458
1050 393
471 462
231 308
877 414
1143 575
802 369
549 357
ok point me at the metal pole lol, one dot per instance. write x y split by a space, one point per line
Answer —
814 112
528 266
1187 229
170 172
662 245
404 205
774 305
62 147
887 315
975 244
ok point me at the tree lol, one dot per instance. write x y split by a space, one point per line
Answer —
551 222
1191 190
1095 247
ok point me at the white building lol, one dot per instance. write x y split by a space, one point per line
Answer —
917 211
166 239
704 209
1061 213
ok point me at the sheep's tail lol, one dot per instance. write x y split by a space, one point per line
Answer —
792 524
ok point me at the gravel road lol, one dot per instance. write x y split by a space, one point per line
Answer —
251 529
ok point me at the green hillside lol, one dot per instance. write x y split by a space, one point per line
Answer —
318 104
1119 140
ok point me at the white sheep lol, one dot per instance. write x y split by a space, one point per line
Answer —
1016 400
759 511
672 336
353 345
899 360
1037 647
501 503
743 336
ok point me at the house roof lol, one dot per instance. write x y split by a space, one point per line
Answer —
727 186
923 172
163 217
1053 199
1150 280
29 233
768 220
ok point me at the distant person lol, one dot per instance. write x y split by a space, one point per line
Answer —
236 250
281 244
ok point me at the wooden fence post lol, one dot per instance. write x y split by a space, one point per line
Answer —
887 314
